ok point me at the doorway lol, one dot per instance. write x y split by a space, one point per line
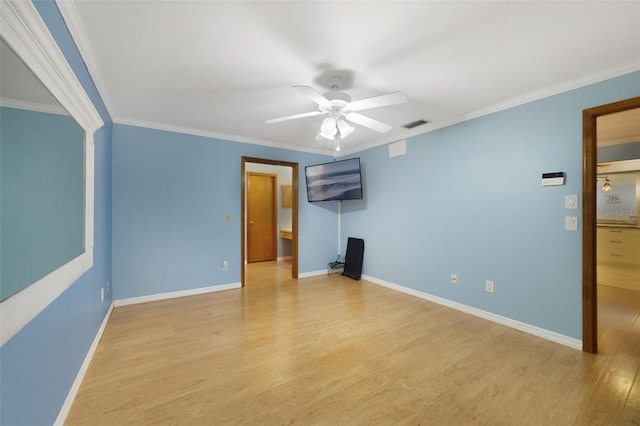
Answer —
589 218
267 185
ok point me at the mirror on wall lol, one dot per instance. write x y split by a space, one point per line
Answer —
50 213
42 194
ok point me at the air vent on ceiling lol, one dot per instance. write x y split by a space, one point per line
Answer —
415 124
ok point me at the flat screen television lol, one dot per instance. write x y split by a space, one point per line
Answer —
338 180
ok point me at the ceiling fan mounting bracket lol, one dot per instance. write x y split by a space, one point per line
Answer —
340 97
334 82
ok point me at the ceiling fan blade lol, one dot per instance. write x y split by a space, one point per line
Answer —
312 94
367 122
293 117
377 101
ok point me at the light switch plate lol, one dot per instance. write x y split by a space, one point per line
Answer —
571 201
570 223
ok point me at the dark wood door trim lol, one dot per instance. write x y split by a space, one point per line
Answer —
294 211
589 173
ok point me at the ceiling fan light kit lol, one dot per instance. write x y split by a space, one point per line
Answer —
344 128
339 107
331 126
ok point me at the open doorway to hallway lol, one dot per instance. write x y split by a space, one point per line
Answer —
269 198
611 231
618 232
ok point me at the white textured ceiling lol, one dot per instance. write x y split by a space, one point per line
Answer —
221 68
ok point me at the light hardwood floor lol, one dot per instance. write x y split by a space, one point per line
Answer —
333 351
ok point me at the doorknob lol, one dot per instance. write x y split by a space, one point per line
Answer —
250 222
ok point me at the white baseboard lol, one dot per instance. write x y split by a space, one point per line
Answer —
521 326
283 258
175 294
75 387
312 273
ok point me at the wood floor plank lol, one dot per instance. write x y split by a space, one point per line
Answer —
329 350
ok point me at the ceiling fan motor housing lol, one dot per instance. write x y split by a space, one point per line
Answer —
337 102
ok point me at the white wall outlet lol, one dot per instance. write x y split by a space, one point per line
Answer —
454 278
489 286
107 286
102 294
225 265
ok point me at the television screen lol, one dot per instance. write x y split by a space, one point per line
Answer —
339 180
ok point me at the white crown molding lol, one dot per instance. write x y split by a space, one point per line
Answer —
546 92
32 106
77 29
593 78
216 135
24 31
79 34
557 89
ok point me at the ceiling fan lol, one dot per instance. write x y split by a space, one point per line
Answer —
339 107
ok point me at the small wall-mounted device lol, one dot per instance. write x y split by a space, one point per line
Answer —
397 149
551 179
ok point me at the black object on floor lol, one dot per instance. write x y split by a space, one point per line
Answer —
353 258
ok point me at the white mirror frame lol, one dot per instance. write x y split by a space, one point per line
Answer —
24 31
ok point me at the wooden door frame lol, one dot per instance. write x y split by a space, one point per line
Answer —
274 213
589 190
294 211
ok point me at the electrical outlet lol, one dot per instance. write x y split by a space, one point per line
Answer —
107 286
102 294
454 279
225 265
489 286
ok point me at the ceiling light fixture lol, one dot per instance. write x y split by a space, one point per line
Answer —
344 128
328 129
607 186
332 126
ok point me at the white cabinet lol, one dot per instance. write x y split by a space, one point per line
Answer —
618 254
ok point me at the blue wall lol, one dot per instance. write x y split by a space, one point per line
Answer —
171 195
40 363
465 199
468 199
42 195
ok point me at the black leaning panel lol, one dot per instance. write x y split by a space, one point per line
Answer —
353 258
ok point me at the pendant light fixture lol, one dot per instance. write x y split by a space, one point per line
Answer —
606 186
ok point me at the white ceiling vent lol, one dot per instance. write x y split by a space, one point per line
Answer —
397 149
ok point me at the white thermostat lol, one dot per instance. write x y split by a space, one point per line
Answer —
551 179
